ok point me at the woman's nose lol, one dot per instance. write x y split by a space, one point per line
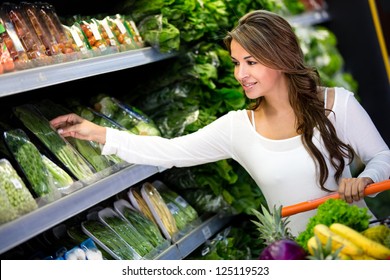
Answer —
241 73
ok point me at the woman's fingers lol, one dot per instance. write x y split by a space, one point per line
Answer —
352 189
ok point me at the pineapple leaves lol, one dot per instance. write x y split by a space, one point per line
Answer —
271 226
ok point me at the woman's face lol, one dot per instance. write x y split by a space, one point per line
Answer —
256 79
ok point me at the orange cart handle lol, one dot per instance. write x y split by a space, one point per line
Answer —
313 204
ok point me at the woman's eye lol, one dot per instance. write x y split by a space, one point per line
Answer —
235 63
251 62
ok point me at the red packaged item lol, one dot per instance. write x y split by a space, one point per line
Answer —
107 34
78 41
55 28
122 34
6 61
14 46
36 24
93 36
34 49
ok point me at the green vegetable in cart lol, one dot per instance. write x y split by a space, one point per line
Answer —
335 211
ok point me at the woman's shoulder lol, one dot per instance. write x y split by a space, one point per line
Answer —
334 96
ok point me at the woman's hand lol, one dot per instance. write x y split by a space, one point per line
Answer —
75 126
352 189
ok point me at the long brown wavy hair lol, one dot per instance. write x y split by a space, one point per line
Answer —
271 40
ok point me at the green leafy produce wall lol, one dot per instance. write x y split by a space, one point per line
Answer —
199 86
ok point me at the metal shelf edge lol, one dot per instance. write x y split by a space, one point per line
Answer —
39 77
29 225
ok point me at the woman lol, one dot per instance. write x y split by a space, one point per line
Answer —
297 140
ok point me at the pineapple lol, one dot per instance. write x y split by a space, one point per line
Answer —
280 243
272 226
319 252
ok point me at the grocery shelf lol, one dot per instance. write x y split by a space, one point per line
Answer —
195 238
45 217
43 76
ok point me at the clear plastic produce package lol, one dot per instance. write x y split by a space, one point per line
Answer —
13 190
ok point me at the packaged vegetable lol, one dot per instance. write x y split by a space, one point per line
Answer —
119 28
55 28
160 34
133 119
6 61
92 32
126 231
90 150
107 239
18 195
46 38
77 41
107 34
13 44
35 50
61 149
183 212
30 160
143 224
7 211
139 203
62 180
161 213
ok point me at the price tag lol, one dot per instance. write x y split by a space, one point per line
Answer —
206 232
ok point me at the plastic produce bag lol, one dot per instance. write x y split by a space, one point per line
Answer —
127 116
143 224
139 203
161 35
160 211
7 211
176 201
90 150
62 180
30 161
126 231
107 239
64 152
18 195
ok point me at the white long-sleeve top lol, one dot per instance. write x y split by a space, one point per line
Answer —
283 169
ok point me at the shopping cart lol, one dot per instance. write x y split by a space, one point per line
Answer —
313 204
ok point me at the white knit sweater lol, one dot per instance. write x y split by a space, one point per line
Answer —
283 169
